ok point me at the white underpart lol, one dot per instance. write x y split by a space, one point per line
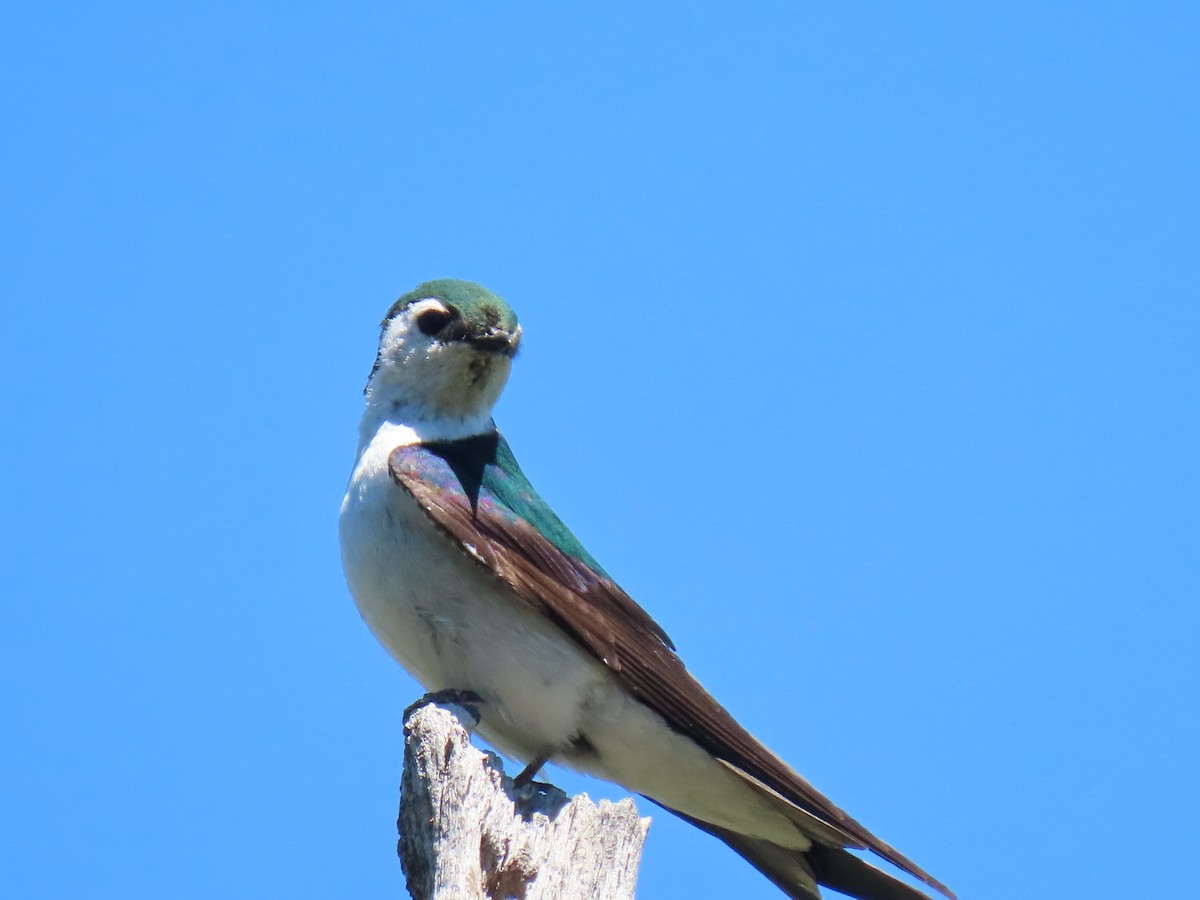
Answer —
452 624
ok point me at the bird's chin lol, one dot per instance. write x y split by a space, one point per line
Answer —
487 368
476 392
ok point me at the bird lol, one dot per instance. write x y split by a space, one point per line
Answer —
472 583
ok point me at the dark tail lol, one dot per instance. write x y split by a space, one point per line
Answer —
798 874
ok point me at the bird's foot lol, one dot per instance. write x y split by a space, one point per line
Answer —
467 701
526 775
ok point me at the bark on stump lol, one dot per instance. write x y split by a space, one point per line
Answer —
466 833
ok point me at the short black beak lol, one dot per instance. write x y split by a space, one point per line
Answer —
487 338
495 341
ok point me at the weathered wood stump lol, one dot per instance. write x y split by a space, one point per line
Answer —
467 833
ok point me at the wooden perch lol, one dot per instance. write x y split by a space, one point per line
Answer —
466 833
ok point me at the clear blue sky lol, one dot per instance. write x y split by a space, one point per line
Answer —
861 347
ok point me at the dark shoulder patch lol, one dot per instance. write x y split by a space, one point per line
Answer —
487 461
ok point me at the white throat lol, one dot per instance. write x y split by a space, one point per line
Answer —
405 425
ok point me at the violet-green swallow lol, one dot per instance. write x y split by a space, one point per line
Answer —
472 583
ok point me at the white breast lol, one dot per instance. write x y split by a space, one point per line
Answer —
452 624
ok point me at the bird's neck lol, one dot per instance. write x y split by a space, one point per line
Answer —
407 423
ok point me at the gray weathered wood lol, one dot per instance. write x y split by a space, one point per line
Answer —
466 833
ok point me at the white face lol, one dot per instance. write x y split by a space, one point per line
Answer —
432 378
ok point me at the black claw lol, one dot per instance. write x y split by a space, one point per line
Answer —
468 700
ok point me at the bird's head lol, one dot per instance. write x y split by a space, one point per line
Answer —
445 351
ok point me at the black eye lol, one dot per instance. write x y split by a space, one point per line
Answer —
433 320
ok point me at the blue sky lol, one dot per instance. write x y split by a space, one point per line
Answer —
860 346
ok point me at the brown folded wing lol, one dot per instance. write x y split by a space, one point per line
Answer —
606 621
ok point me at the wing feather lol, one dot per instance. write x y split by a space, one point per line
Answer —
606 622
